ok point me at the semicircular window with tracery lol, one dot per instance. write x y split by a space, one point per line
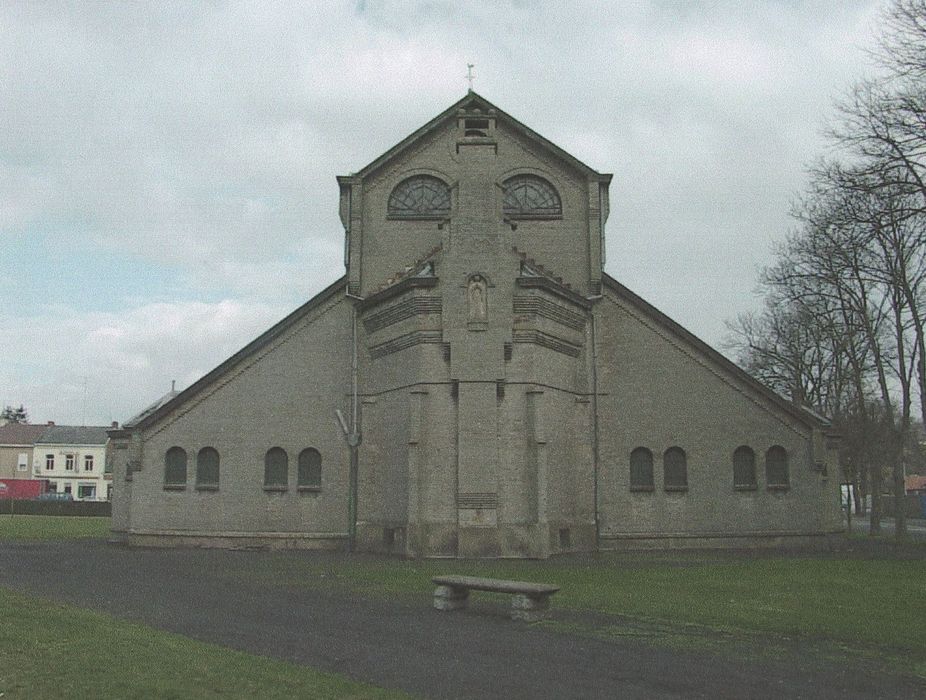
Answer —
420 197
530 196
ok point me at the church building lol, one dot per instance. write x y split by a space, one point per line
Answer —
475 386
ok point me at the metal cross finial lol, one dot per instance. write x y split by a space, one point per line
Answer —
469 75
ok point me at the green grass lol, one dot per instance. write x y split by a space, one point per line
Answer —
51 651
26 528
866 603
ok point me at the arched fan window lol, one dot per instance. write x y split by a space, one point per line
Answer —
531 197
420 197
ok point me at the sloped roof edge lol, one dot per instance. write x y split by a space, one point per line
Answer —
262 340
485 104
803 414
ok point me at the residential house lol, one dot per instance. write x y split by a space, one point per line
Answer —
16 449
73 460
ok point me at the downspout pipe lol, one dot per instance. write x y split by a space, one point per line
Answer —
352 430
595 448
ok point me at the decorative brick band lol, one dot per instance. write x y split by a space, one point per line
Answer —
547 341
416 306
406 341
548 309
477 501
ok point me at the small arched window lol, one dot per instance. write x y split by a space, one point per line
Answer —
641 470
175 467
744 468
675 469
276 468
310 469
207 467
420 197
776 467
531 197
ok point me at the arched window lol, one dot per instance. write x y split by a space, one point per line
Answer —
310 469
744 468
175 467
641 470
675 469
276 468
531 197
207 467
420 197
776 467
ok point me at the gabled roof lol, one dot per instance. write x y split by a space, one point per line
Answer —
73 435
470 100
20 433
163 407
801 413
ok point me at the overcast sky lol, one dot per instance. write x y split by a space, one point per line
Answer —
167 170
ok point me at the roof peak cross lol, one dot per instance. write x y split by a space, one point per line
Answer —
469 75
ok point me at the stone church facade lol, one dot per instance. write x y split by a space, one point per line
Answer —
475 386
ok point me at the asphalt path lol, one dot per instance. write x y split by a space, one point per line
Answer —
404 643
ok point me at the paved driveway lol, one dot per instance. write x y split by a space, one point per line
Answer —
404 643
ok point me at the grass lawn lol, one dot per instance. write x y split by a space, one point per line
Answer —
25 528
864 603
51 651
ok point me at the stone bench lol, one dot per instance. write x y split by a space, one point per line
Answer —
530 601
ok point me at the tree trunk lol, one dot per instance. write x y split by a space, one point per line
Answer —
874 515
900 513
863 491
858 498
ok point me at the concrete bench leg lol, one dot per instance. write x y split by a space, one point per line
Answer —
450 598
529 608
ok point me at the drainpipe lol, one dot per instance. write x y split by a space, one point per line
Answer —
595 421
352 430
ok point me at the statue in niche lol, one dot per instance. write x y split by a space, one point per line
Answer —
476 294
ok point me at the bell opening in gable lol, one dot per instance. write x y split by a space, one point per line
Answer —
476 127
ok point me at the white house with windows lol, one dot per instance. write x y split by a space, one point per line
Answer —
73 460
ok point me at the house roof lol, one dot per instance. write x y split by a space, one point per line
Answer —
148 410
73 435
470 100
20 433
914 482
802 413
